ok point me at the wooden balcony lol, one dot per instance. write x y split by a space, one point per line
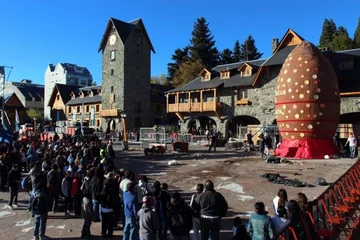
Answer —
193 107
109 113
243 101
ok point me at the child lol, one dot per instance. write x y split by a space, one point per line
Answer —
86 213
239 230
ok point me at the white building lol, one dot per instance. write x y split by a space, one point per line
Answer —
31 95
64 73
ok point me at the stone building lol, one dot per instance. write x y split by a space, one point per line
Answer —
31 95
64 73
126 57
243 93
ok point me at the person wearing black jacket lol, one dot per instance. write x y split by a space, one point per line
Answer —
14 180
96 185
212 206
179 219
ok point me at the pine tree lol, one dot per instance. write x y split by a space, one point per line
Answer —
357 36
341 40
249 51
202 44
179 56
328 33
237 52
187 72
226 56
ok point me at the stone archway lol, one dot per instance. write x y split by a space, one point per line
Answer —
111 125
238 126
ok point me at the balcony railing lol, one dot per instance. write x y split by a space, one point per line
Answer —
193 107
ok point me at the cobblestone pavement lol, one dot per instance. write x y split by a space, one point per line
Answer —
235 174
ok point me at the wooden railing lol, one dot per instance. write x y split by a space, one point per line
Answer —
193 107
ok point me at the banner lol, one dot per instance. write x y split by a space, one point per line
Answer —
82 119
92 116
74 116
17 121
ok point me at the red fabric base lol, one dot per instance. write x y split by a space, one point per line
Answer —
306 149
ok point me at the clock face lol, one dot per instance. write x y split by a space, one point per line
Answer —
112 39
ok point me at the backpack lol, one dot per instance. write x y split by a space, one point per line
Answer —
26 183
37 206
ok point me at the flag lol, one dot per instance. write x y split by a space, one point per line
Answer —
74 116
2 82
17 121
92 116
82 119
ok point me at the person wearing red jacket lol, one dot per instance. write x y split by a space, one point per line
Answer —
76 193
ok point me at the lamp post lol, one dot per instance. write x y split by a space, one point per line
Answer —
125 140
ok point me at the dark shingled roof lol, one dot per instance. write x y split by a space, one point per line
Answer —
85 100
197 84
279 57
230 66
70 68
31 90
87 88
124 29
66 90
236 81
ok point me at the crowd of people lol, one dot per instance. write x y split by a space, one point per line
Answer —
82 173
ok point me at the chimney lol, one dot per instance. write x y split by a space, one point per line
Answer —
275 43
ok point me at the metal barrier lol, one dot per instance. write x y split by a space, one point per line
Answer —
201 140
334 214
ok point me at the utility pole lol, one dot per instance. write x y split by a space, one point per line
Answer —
2 83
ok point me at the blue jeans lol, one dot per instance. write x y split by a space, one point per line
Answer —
352 151
40 223
130 228
97 211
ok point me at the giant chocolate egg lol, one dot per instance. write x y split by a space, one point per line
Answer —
307 98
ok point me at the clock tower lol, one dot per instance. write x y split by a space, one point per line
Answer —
126 57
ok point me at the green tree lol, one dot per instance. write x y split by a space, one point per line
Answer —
179 56
33 113
357 36
328 33
237 51
202 44
341 40
160 80
249 50
226 56
187 72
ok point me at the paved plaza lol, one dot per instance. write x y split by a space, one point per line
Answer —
236 175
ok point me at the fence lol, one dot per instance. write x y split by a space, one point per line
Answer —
201 140
334 214
150 136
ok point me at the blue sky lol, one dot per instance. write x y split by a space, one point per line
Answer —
35 33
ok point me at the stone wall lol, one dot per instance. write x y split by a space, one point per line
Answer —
348 105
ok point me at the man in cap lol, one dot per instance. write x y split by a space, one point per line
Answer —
148 221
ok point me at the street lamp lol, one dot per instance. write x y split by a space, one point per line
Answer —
123 117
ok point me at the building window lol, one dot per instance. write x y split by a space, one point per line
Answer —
224 75
98 122
344 129
97 108
346 65
112 55
111 89
137 122
83 82
242 94
112 72
70 109
58 97
87 108
78 109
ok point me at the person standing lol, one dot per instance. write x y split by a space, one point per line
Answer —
351 141
76 192
131 208
107 207
86 213
196 218
179 218
148 220
260 224
14 180
66 186
214 137
212 206
54 186
40 210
